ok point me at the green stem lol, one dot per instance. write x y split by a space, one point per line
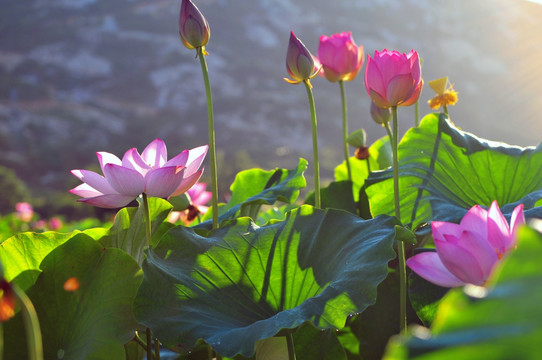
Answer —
149 344
212 150
147 218
31 322
345 129
290 344
400 244
317 202
417 113
445 108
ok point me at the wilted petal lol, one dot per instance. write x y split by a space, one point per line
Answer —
187 183
109 201
125 181
164 181
155 154
429 266
94 180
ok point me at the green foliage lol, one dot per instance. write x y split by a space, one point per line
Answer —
13 190
503 321
243 283
94 321
444 171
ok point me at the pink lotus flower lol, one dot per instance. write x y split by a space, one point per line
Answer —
340 57
24 210
150 173
199 198
193 27
299 62
467 253
393 78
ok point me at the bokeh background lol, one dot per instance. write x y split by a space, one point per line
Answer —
80 76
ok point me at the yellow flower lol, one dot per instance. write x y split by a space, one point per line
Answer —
446 95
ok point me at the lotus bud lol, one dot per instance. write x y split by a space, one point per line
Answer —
193 27
379 115
299 62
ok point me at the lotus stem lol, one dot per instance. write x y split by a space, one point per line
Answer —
290 344
212 150
317 202
147 212
32 325
345 129
400 244
417 114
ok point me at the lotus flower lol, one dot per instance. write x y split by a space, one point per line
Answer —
24 210
340 57
193 27
299 62
150 173
199 198
467 253
393 78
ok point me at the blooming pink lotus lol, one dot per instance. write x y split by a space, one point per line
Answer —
193 27
199 198
150 173
299 61
467 253
393 78
340 57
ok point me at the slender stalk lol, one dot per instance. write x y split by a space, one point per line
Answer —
400 244
416 114
149 344
345 129
31 322
212 150
156 349
445 108
290 344
317 202
147 218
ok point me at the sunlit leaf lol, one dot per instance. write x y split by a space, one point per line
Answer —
93 320
244 283
444 172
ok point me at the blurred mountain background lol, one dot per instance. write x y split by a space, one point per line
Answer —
80 76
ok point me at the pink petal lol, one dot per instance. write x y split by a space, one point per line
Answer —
94 180
132 160
460 262
517 220
498 229
85 191
179 160
481 249
441 229
155 154
374 80
109 201
379 100
400 89
187 183
195 159
107 158
475 220
125 181
429 266
164 181
415 95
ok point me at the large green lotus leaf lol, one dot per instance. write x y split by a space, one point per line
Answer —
256 187
337 195
25 251
94 321
129 229
502 322
444 171
244 283
379 158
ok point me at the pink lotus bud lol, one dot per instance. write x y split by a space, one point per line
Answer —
393 78
299 61
55 223
379 115
468 253
193 26
24 210
340 57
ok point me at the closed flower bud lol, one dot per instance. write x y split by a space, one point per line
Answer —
299 62
379 115
340 57
193 26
